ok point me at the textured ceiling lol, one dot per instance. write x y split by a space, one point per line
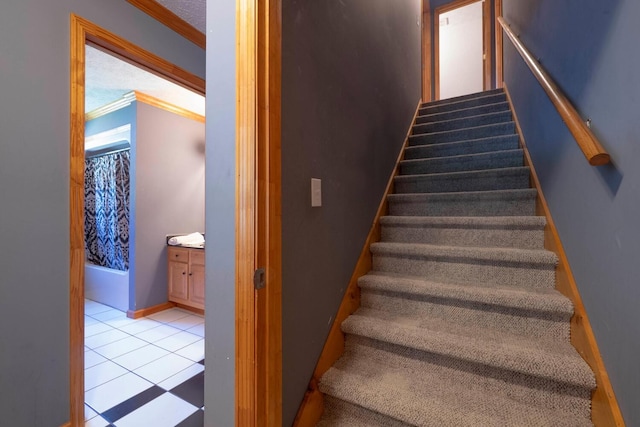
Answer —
108 78
192 11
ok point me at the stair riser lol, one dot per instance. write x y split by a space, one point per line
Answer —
467 122
504 238
463 134
451 270
459 114
463 163
525 389
462 148
447 184
499 319
469 103
462 208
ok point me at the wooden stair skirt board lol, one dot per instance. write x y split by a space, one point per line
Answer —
604 406
452 146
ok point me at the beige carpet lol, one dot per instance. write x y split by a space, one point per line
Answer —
460 324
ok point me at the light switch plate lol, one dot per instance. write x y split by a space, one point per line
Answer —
316 192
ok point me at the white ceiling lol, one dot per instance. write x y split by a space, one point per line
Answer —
108 78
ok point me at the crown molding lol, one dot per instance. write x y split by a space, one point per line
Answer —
135 95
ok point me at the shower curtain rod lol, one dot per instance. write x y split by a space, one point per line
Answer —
106 153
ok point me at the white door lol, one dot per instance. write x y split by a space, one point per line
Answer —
461 51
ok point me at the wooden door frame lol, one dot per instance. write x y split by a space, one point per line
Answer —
258 224
499 44
486 36
258 214
426 51
83 32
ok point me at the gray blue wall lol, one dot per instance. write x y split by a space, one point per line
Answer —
34 191
167 196
590 49
219 382
121 117
350 86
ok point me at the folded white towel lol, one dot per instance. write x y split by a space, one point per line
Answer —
189 239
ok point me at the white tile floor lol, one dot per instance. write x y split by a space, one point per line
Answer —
127 360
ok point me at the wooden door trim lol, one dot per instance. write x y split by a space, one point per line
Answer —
246 74
499 45
269 250
258 214
426 51
486 35
83 32
487 17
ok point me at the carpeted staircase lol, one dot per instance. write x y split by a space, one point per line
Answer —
459 323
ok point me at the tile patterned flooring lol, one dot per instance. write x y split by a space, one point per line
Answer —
143 372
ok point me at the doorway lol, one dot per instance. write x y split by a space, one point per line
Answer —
462 48
258 382
83 33
144 359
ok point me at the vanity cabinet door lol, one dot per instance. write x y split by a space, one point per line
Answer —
196 285
178 281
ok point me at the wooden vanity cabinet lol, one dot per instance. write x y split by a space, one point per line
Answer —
185 276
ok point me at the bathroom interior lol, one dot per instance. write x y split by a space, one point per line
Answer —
144 245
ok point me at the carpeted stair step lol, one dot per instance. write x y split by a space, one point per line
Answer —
340 413
520 268
472 203
460 163
393 380
483 180
472 146
533 313
552 361
525 232
457 135
465 122
449 105
461 98
462 103
459 322
465 112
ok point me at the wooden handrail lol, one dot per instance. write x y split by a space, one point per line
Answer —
588 143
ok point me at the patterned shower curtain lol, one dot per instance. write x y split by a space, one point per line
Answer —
106 201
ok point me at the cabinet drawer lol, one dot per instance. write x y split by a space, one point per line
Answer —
197 257
178 254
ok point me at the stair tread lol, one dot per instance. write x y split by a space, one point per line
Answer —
497 114
510 255
530 299
554 360
502 104
339 413
458 157
437 396
460 145
502 222
515 193
462 98
434 134
465 174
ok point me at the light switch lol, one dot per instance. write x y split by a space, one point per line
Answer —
316 192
